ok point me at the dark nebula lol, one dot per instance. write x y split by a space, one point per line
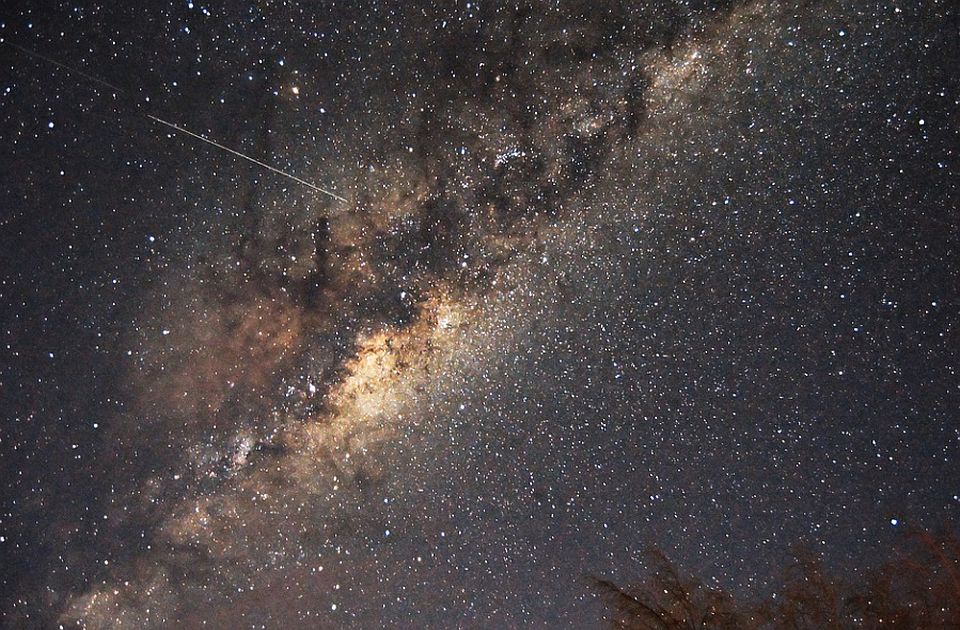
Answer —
608 275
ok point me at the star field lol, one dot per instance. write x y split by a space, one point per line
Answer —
607 276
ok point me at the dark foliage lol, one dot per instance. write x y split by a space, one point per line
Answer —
918 587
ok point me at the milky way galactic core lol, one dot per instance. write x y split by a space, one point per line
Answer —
447 306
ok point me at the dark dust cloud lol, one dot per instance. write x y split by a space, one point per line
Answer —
608 275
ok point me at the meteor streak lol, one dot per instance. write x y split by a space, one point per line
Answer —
246 157
36 55
178 128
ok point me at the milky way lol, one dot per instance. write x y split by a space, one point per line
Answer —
606 277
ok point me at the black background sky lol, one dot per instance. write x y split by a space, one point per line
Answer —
613 276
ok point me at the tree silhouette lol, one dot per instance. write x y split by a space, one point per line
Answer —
918 587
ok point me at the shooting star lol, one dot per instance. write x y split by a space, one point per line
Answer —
245 157
178 128
36 55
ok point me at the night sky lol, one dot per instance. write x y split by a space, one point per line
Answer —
607 276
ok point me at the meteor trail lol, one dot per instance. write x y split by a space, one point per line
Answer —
246 157
90 77
36 55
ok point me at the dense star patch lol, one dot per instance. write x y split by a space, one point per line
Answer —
604 276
